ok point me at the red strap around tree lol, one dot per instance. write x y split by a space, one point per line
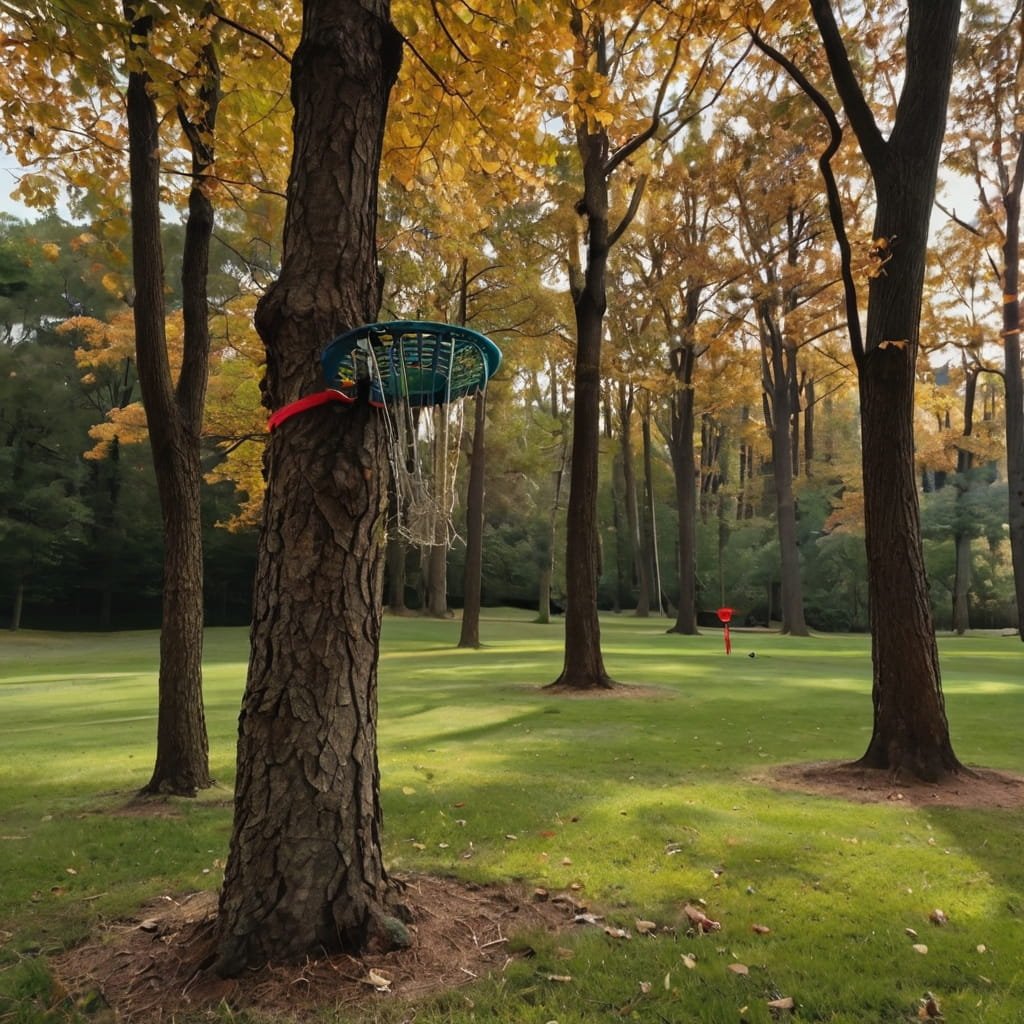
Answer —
309 402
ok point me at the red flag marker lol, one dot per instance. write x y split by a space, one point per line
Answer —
724 615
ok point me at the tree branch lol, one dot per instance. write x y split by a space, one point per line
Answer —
634 205
862 121
268 43
835 203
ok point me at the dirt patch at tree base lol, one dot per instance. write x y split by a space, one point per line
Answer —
150 969
979 788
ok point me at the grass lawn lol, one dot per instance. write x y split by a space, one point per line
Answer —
646 803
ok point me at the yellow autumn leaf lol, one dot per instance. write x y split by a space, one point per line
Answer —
112 283
51 251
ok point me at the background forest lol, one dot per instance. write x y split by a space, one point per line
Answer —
723 287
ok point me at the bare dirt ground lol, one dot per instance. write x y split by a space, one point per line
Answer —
150 969
977 788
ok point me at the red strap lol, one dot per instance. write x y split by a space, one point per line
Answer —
309 402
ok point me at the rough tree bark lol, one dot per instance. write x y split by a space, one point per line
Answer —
305 870
173 414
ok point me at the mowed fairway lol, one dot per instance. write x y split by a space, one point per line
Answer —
646 802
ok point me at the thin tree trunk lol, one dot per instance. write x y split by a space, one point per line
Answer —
583 667
685 472
1014 376
395 559
961 536
173 418
473 573
305 870
650 531
630 497
809 452
792 610
16 609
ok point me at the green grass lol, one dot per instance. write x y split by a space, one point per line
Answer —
650 800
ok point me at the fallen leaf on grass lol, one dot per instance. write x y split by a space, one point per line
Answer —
689 960
540 894
919 947
586 919
785 1003
617 933
981 948
741 969
379 980
151 924
568 900
760 929
699 920
911 932
645 927
645 987
938 917
563 979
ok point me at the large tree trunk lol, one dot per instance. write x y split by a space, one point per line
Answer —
305 870
173 417
469 635
911 732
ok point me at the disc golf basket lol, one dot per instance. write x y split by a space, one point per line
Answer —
724 617
417 372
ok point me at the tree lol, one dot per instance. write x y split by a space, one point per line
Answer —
778 225
911 731
174 410
305 869
598 50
